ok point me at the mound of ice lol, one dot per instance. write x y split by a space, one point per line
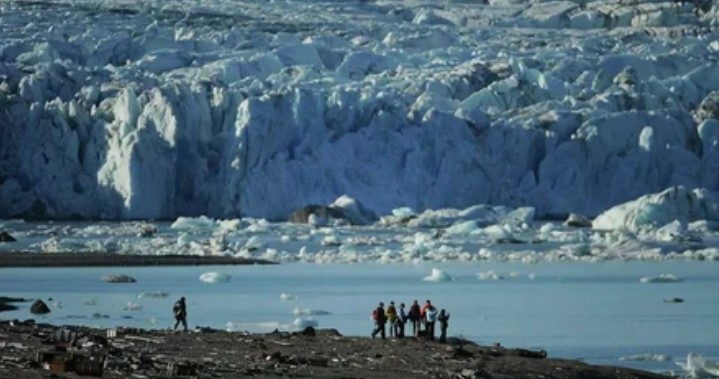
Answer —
489 275
647 357
661 278
698 366
655 210
302 323
309 312
287 297
215 277
152 295
438 275
193 223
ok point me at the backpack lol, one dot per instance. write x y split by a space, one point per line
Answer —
375 315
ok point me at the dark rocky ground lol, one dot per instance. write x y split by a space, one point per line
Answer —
24 259
206 353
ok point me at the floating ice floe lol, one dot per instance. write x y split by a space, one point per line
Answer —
215 277
287 297
152 295
489 275
697 366
438 275
309 312
661 278
647 357
130 306
89 302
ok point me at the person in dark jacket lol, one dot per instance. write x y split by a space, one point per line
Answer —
414 318
443 319
401 321
180 312
380 319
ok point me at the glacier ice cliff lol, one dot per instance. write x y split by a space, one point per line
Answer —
123 110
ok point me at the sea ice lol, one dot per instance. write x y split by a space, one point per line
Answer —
309 312
647 357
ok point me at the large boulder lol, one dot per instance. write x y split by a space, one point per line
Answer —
6 237
118 279
302 215
39 308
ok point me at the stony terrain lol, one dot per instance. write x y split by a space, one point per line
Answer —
209 353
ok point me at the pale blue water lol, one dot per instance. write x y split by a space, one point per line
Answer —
593 311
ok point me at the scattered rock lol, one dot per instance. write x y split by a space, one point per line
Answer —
302 215
578 221
6 237
674 300
39 308
118 279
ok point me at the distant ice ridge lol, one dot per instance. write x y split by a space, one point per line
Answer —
161 114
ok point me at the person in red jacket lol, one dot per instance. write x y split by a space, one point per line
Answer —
380 319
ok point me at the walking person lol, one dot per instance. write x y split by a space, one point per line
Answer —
379 320
392 319
429 322
414 318
443 319
180 312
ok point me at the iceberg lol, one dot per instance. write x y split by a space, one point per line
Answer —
438 275
215 277
309 312
661 278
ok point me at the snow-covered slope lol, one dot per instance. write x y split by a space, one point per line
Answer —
153 109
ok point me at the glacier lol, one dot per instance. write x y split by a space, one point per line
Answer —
126 110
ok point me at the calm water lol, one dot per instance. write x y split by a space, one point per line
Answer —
597 312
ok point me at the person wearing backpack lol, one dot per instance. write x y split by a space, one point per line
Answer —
392 319
414 318
380 320
180 312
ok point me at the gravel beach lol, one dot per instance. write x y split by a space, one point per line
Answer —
30 350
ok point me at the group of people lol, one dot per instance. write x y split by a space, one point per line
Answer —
422 319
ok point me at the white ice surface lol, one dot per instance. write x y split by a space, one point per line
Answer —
156 110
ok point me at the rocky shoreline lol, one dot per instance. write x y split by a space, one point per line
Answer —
24 259
31 350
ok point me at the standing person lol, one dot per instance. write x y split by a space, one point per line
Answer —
431 319
392 319
402 320
443 319
414 317
379 320
423 314
180 312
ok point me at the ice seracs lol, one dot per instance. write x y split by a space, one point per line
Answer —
437 107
